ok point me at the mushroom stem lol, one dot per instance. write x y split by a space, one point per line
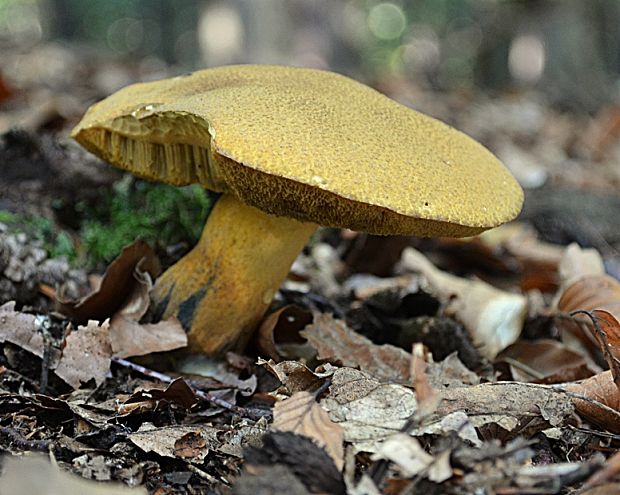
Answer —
222 288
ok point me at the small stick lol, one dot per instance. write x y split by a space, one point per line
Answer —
254 414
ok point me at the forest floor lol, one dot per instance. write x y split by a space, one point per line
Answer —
386 364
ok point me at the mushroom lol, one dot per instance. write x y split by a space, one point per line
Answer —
289 149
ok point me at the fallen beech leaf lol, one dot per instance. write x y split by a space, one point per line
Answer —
597 399
577 263
591 292
117 284
178 393
544 361
21 329
586 294
607 333
493 318
301 414
295 376
130 338
87 354
281 326
337 343
171 441
407 453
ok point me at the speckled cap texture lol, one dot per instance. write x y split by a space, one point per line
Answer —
308 144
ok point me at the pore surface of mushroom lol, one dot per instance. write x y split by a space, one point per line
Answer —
289 148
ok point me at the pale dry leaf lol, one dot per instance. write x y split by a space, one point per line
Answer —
336 342
167 440
494 318
87 354
450 372
29 474
440 470
428 397
577 263
367 410
129 338
20 329
521 241
301 414
405 452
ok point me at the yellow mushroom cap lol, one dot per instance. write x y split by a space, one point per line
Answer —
308 144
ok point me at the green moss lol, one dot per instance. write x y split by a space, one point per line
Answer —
162 215
158 213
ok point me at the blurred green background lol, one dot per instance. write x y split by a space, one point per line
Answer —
569 50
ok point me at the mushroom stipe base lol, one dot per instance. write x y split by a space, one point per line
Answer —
221 289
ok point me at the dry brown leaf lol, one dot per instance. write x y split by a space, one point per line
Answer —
336 342
591 292
21 329
301 414
168 441
117 285
493 318
295 376
544 361
87 354
597 399
281 326
130 338
607 333
178 393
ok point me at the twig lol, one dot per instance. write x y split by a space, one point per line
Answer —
252 413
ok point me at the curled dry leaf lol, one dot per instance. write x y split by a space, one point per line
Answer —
591 292
281 326
301 414
594 292
337 343
178 393
116 286
295 376
544 361
597 399
493 318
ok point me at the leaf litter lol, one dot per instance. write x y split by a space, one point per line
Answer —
485 365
